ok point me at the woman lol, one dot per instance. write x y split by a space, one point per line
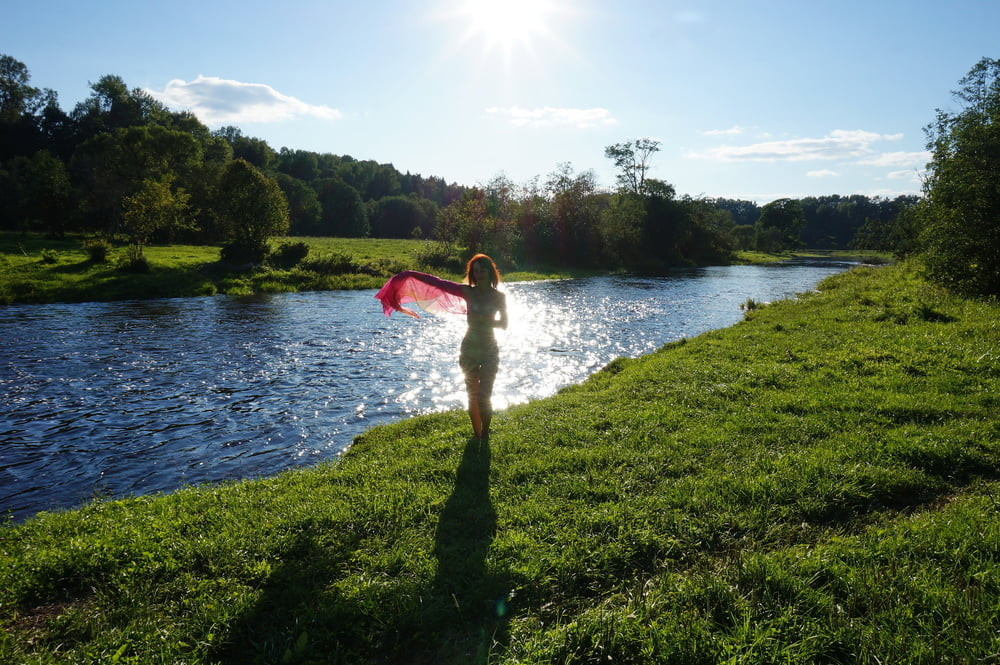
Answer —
485 308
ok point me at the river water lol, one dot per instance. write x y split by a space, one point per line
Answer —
116 399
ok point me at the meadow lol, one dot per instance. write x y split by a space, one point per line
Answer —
818 483
38 269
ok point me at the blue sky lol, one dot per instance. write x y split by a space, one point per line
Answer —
753 100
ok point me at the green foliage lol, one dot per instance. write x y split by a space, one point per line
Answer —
157 206
401 216
253 209
632 159
344 214
779 225
304 208
97 250
816 484
440 256
288 254
332 263
961 216
74 172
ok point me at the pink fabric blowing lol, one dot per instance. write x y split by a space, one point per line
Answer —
431 294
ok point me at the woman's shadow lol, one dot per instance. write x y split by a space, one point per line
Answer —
475 593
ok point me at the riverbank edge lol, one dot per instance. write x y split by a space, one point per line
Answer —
817 481
39 270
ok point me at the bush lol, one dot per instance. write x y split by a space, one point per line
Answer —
136 264
441 256
289 254
242 254
50 256
97 250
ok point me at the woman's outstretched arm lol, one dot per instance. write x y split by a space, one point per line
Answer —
430 293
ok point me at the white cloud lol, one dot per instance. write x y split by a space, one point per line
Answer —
735 129
822 173
555 117
838 144
899 159
217 101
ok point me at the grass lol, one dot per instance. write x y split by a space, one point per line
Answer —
818 483
865 256
35 269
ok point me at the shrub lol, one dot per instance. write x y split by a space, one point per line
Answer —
97 250
50 256
441 256
289 254
136 264
242 254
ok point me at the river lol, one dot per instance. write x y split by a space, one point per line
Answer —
135 397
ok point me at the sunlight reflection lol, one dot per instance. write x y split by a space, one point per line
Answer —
556 336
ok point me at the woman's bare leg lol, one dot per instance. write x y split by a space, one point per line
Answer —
473 387
486 378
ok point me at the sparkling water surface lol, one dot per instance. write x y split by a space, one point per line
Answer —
115 399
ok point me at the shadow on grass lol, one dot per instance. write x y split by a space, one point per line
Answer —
476 594
305 613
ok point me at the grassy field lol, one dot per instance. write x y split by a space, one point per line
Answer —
36 269
816 484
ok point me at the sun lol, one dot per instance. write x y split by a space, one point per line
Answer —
507 26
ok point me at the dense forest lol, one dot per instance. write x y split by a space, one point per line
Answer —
122 165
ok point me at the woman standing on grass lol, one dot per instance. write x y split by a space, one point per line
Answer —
485 308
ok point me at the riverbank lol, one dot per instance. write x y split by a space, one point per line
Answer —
38 269
816 483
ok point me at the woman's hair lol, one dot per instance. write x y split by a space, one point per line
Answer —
494 273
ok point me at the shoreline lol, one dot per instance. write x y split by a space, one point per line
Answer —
37 270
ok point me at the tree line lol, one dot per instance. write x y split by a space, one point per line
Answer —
122 164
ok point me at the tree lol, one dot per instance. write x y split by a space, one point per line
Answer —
632 159
574 216
113 165
253 209
343 212
779 225
960 233
35 190
304 209
17 97
399 216
20 104
256 151
299 164
155 207
112 106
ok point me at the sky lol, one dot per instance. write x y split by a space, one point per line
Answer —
749 100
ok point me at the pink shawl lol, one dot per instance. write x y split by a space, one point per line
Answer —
432 294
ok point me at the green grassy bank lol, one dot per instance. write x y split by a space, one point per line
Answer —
38 269
819 483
